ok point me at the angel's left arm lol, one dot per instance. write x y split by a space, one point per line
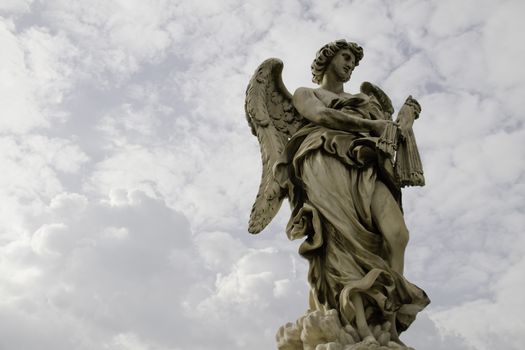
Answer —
310 107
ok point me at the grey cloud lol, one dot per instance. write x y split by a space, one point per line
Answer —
424 334
123 266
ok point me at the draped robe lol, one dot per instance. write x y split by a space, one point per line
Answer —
330 176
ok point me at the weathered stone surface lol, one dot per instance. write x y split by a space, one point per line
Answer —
322 330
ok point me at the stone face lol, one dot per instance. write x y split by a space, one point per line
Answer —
341 160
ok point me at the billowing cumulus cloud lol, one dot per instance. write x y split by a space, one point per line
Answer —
128 169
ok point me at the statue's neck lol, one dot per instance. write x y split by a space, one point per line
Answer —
331 84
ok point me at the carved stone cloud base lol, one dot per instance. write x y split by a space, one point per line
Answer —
322 330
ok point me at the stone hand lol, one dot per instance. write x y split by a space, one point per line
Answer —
378 126
407 114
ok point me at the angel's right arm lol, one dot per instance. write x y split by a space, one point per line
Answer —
313 109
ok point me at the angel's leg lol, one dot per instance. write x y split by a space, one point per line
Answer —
394 335
389 219
360 319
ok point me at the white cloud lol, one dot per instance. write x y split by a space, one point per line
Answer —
114 267
480 321
263 282
68 204
21 108
219 249
504 56
51 239
130 341
15 6
116 37
37 73
33 166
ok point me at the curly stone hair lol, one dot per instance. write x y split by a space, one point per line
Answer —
326 53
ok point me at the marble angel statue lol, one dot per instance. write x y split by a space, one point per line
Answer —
341 160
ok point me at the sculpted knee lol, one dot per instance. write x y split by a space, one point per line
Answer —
400 238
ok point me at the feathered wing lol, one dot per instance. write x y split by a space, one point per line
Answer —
383 99
273 119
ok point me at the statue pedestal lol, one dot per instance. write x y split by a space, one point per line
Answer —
322 330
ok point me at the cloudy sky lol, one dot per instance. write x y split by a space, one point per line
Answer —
128 169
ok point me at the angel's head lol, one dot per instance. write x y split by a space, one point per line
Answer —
325 55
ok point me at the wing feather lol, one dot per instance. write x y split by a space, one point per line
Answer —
273 119
383 99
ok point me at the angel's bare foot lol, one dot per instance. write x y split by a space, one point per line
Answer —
394 345
360 319
394 334
395 338
370 340
397 341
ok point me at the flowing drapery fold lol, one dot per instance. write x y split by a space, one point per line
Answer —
331 176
